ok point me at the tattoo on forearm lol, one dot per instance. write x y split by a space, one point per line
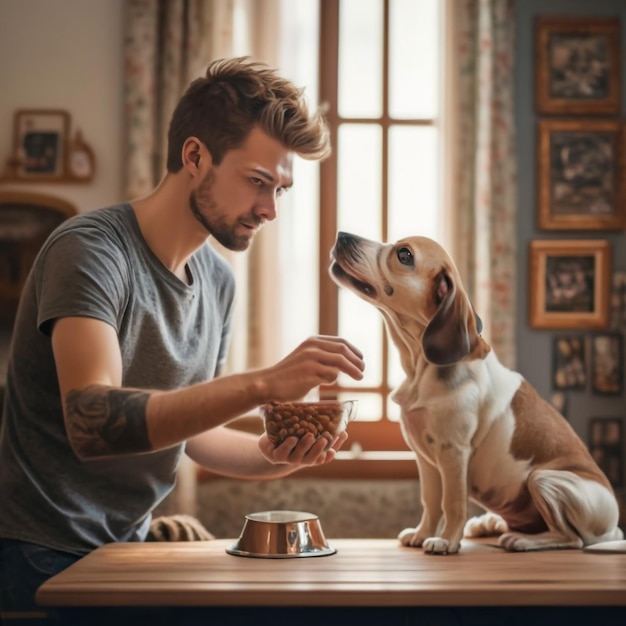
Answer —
102 421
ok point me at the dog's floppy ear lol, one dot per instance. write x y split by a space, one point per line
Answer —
455 328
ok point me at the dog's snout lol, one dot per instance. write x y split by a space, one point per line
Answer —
346 244
344 239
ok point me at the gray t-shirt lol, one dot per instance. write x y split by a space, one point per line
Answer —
170 335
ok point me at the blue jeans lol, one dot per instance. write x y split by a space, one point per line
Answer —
26 566
23 568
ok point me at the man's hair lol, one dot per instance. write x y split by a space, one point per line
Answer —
222 107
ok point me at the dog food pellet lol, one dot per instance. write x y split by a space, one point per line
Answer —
284 419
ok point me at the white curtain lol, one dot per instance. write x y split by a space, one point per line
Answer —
168 43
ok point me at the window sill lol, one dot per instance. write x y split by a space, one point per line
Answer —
364 466
374 451
345 469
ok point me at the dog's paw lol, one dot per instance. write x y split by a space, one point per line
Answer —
411 538
514 542
439 545
486 525
519 542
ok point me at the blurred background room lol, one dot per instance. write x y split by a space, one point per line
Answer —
493 126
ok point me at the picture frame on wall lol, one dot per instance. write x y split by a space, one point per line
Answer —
580 175
606 445
40 144
569 369
577 65
569 283
607 364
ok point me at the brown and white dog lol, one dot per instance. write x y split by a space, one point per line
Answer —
478 429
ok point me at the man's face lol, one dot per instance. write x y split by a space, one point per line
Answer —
237 196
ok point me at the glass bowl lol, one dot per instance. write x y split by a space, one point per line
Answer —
296 419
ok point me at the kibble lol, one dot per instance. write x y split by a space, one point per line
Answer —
296 419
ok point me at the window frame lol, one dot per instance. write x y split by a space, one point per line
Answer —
375 450
380 449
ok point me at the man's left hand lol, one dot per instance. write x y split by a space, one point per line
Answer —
308 450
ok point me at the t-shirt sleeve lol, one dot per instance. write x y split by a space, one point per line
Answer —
84 274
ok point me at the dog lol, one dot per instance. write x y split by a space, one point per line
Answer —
479 430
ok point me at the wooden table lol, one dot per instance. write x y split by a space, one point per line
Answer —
374 579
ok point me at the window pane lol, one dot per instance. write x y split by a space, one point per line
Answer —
299 45
361 324
359 186
413 58
360 58
298 210
413 168
358 211
298 222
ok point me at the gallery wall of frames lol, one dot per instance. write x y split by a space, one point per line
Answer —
574 289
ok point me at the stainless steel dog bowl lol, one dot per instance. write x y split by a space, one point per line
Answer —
281 535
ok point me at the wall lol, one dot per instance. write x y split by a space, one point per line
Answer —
534 346
346 508
66 54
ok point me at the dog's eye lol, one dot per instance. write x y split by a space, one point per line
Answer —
405 256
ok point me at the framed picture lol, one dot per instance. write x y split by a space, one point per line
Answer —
577 68
606 445
569 284
580 175
40 144
568 363
607 364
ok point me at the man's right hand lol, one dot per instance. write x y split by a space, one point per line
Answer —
317 361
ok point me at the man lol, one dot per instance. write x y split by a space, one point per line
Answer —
123 326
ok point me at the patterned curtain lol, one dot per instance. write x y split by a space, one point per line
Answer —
481 207
168 43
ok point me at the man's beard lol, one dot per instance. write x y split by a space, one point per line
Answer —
216 226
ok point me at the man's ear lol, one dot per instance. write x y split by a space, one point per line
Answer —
194 153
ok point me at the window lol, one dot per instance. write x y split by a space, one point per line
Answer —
379 75
377 67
